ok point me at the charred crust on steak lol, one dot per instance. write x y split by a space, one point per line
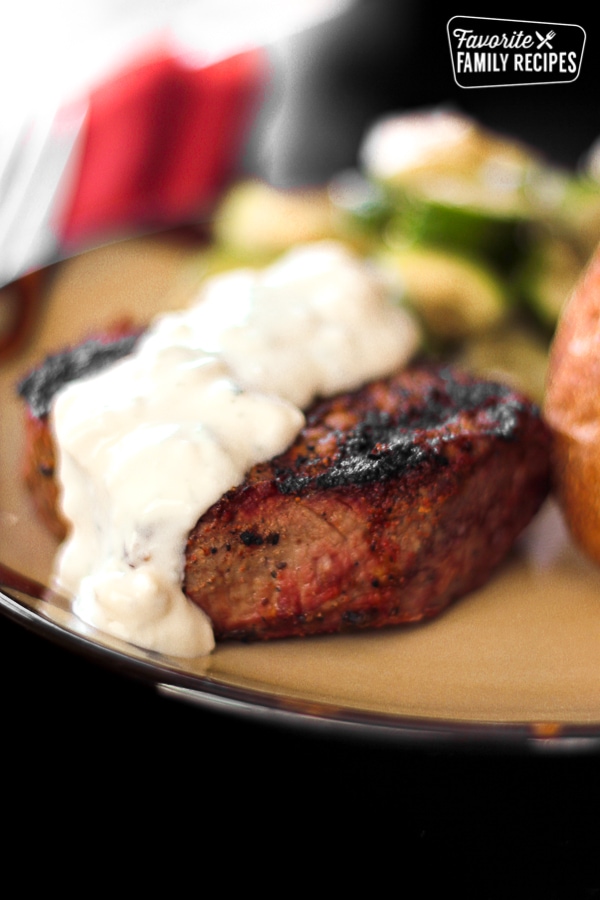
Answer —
251 538
383 445
41 385
393 501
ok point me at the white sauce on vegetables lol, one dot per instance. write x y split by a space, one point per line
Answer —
148 445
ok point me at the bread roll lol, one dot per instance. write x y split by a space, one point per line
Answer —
572 409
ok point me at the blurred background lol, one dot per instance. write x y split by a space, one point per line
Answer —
117 115
381 56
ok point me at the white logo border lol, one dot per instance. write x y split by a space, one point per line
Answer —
471 87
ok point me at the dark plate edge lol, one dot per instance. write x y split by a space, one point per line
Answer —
209 693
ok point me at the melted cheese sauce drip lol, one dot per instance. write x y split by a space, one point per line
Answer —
148 445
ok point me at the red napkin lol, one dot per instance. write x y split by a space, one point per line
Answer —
156 143
160 139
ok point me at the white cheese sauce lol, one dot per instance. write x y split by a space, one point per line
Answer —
146 446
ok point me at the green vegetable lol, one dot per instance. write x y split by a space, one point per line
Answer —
454 296
459 228
548 276
512 354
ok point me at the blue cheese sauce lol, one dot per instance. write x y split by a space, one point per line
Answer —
148 445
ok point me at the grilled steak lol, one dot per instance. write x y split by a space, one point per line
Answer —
392 502
38 389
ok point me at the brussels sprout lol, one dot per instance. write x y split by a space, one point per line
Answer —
454 296
512 354
548 277
255 218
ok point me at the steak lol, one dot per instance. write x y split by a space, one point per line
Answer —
38 389
392 502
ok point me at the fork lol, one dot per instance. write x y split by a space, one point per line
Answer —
546 40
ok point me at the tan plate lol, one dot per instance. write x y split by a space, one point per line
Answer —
519 659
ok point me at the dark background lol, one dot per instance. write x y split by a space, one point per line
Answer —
93 761
383 56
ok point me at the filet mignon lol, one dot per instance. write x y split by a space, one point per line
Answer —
393 501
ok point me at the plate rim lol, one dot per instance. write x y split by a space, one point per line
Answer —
212 694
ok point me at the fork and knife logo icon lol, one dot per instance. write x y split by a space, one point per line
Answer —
545 41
